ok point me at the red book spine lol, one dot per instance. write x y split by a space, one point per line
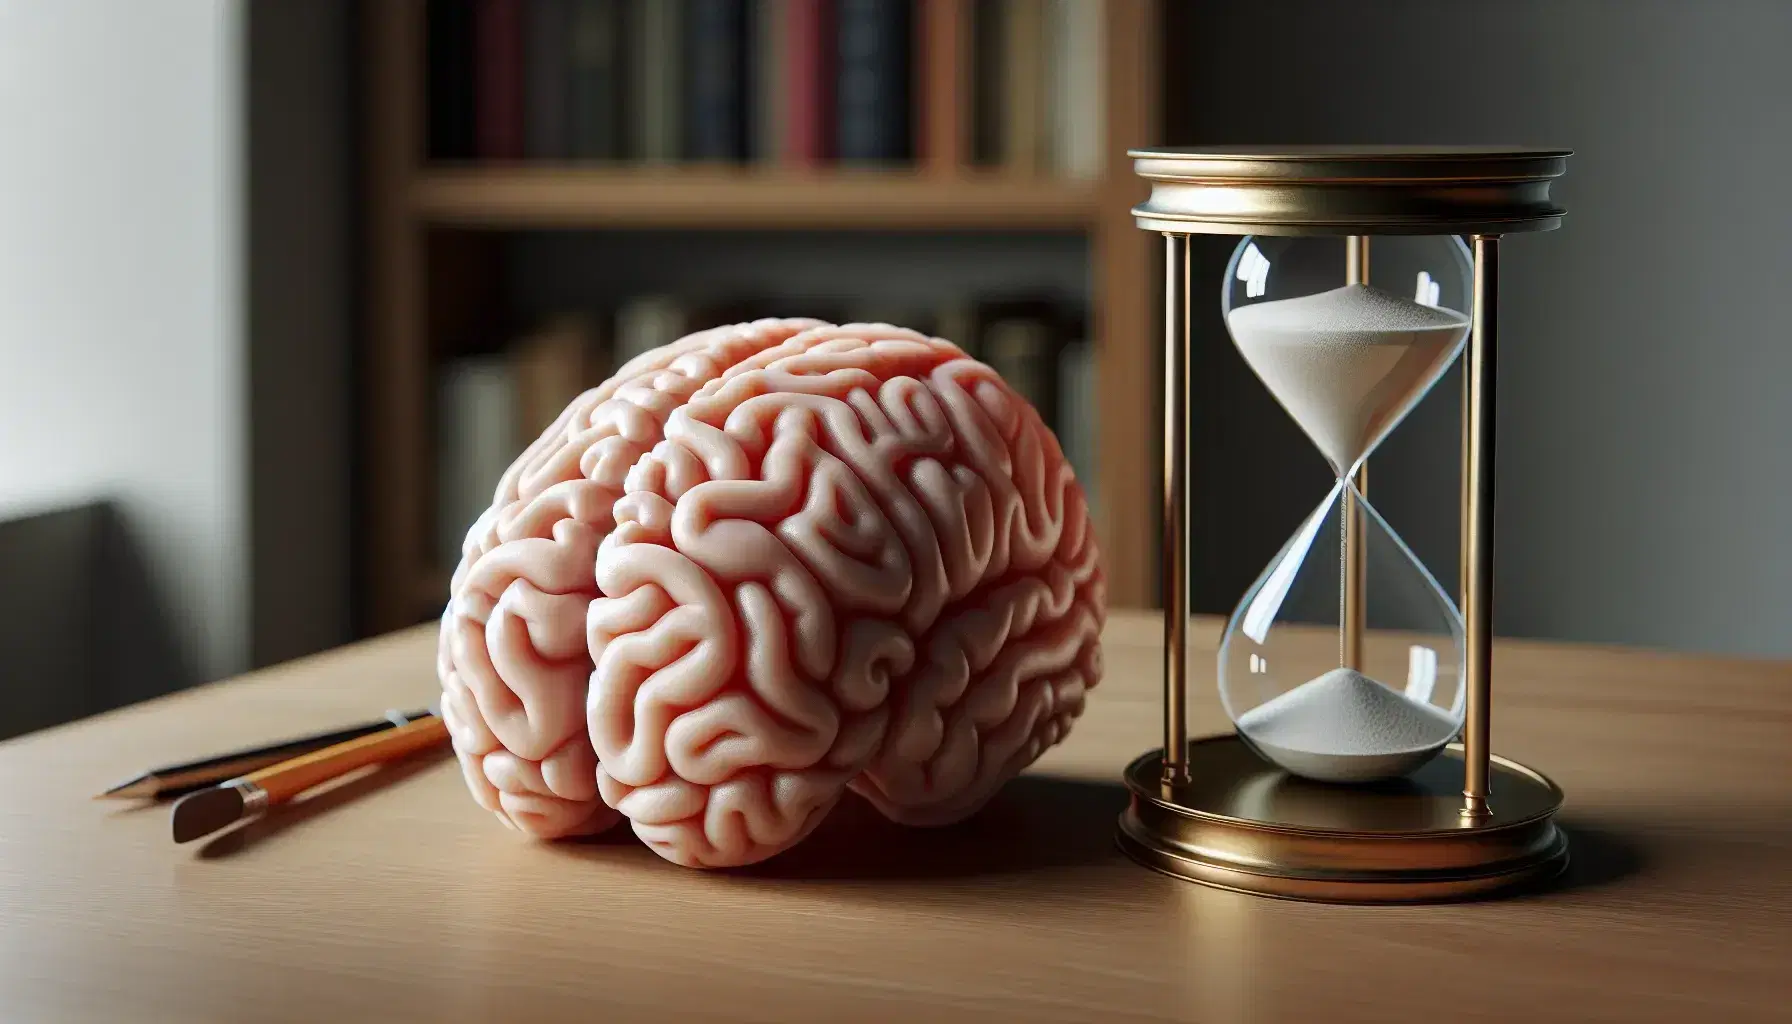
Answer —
809 120
498 79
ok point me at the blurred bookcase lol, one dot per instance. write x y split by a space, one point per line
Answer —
433 258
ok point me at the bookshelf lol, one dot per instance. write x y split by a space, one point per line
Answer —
426 266
728 199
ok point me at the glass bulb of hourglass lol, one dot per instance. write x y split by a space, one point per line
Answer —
1282 672
1348 359
1344 661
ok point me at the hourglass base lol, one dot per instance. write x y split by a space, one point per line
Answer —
1240 823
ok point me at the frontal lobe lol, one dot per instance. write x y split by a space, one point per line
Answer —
805 558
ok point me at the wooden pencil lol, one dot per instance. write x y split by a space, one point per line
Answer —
202 813
180 779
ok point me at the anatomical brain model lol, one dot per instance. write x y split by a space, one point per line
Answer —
762 566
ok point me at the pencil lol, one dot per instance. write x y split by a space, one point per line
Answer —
180 779
208 810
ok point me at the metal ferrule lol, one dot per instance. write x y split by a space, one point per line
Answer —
255 799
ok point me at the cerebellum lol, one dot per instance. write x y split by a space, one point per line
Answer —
763 567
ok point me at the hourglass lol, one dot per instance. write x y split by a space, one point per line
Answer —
1359 767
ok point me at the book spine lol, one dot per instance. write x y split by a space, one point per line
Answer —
476 406
1078 98
770 68
645 323
544 79
1019 350
872 82
1076 414
593 84
451 89
715 94
657 29
1023 86
941 84
956 321
498 75
552 368
988 61
809 89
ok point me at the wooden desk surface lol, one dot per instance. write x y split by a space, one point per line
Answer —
403 901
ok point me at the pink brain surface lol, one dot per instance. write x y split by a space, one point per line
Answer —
761 567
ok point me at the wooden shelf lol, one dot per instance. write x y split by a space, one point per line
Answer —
735 199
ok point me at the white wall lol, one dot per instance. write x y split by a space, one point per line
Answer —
121 354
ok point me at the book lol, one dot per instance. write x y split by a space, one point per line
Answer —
872 80
656 80
545 71
498 78
940 84
645 323
1078 99
553 366
769 60
988 42
1019 348
449 80
476 413
809 81
1023 138
956 321
594 79
1076 416
715 93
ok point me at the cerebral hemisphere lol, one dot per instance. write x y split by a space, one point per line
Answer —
761 567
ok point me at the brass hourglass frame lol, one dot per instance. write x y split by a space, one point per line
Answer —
1468 823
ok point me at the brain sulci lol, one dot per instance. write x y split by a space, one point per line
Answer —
759 569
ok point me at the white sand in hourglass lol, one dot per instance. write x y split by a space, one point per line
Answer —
1347 364
1347 727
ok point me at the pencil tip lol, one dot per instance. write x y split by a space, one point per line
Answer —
142 785
207 811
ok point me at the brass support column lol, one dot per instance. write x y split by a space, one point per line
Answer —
1356 259
1468 403
1354 597
1477 589
1175 514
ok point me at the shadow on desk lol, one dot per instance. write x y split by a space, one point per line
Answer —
1599 854
1043 823
335 793
1036 823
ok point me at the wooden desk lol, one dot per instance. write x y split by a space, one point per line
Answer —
406 902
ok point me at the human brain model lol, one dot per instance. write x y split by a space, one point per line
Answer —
760 567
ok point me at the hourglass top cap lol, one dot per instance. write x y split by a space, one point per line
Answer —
1348 190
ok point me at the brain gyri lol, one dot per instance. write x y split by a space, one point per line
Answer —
760 567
